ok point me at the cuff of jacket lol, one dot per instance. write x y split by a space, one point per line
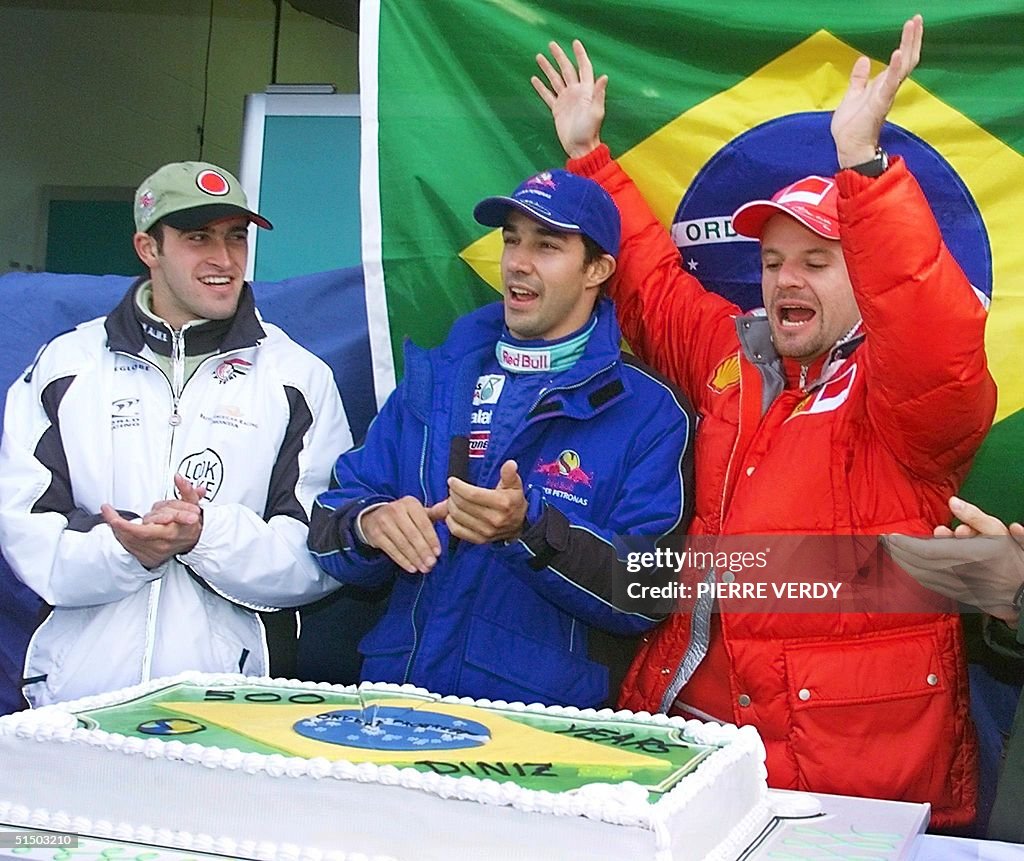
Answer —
591 163
1002 638
350 535
546 534
850 183
213 537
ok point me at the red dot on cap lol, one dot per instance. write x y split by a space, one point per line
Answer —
212 182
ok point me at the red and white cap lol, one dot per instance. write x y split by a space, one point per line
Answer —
812 201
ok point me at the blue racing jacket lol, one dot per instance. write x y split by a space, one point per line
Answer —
604 450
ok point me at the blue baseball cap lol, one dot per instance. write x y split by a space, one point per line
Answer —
563 201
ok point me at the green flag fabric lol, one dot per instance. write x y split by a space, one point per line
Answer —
708 106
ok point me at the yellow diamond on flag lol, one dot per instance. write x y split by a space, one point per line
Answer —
813 76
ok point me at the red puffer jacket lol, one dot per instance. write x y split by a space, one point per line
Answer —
858 703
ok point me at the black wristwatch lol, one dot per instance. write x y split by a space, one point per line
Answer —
1018 599
875 166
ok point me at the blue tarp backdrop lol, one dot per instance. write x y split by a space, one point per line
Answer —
326 313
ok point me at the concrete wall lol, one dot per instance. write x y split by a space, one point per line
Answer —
99 94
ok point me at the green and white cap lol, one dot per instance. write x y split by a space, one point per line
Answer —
188 195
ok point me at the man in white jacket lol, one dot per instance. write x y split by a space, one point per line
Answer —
158 464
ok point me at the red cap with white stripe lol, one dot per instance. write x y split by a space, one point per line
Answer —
812 201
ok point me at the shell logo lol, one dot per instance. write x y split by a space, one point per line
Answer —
726 374
802 406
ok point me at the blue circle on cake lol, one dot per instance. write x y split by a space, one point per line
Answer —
760 161
387 728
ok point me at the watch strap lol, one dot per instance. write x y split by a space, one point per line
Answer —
875 166
1018 599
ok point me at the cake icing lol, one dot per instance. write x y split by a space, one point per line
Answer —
276 769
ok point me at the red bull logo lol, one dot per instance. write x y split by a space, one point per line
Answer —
567 467
524 360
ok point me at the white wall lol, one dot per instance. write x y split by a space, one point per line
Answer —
102 93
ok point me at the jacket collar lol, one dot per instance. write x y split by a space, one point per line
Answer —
821 370
129 330
755 338
481 329
589 386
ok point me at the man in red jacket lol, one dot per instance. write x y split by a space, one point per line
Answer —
852 408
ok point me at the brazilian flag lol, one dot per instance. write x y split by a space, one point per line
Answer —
709 105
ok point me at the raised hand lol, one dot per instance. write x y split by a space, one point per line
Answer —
404 530
481 515
575 98
857 122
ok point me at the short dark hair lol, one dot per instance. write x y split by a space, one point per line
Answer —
592 252
157 232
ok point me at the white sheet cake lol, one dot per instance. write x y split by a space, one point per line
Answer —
274 769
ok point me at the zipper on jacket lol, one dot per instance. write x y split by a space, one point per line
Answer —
177 384
423 577
151 608
415 632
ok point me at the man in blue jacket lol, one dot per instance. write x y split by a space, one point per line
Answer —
508 479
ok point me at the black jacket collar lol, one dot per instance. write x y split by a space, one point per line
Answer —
129 330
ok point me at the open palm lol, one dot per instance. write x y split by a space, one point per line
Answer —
857 122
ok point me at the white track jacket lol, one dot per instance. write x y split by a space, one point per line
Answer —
94 420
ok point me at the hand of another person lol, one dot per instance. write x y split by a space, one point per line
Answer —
974 521
481 515
980 563
576 100
171 527
857 122
404 530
